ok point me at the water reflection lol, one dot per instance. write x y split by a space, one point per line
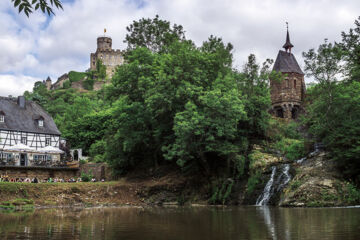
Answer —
182 223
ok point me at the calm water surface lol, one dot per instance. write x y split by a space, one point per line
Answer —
182 223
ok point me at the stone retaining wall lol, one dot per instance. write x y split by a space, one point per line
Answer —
40 173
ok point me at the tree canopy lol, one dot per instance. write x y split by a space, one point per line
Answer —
333 109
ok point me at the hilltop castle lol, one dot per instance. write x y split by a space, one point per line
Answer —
287 95
109 57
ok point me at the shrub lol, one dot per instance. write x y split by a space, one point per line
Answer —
292 149
76 76
221 192
88 84
295 150
353 194
239 163
67 84
86 177
253 180
99 158
97 148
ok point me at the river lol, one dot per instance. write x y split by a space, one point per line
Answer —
220 223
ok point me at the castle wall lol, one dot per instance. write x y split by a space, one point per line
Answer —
110 58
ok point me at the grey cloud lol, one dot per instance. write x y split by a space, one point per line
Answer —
251 26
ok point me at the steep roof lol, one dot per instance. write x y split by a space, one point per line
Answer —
286 63
25 119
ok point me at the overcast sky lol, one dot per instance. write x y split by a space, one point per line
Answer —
33 48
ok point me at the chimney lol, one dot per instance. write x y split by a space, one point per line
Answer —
21 101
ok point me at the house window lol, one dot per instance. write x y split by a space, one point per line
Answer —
24 140
294 83
6 156
41 123
2 118
47 141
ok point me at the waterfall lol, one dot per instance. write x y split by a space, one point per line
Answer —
264 198
275 184
317 148
284 178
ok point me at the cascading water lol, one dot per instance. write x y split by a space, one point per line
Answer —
317 148
278 181
264 198
275 184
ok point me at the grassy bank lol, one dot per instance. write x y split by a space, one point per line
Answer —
59 194
122 192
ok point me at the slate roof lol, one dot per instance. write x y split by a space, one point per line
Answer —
286 63
25 119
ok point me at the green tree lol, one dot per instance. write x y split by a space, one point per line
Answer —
154 34
333 109
28 6
252 82
350 46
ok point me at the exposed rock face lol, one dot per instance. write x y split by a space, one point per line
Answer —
317 183
261 167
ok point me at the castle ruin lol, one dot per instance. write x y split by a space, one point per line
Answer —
110 58
288 94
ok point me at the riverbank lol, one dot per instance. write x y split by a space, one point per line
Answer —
316 182
128 191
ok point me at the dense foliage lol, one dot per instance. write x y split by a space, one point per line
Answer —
171 103
180 104
334 103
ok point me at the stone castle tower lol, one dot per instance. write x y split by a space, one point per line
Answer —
287 95
109 57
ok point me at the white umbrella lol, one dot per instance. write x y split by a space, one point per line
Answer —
50 149
20 148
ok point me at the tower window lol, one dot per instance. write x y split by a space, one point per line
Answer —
295 83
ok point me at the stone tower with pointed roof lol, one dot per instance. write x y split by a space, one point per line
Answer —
288 94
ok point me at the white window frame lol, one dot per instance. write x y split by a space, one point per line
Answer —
23 142
47 141
2 118
41 122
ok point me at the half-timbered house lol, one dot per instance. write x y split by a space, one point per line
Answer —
28 134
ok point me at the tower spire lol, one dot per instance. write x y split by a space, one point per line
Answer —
288 44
